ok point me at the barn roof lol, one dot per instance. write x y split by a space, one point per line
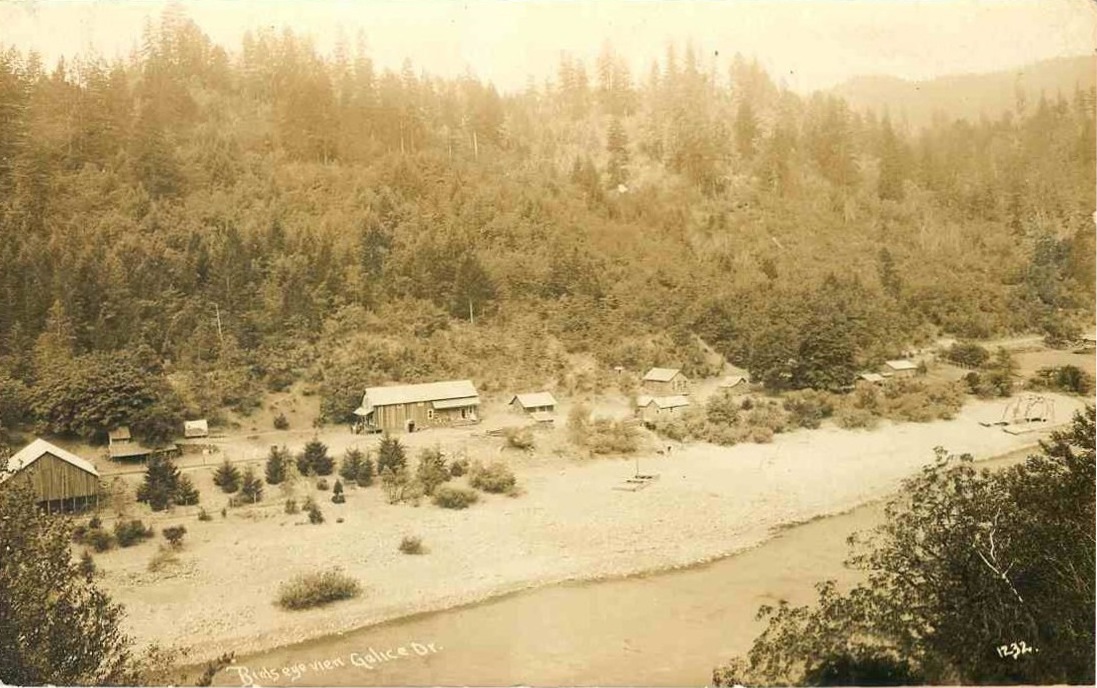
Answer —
673 401
661 374
901 364
534 399
732 381
428 391
39 448
121 434
872 377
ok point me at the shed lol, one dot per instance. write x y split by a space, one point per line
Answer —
123 446
655 408
58 477
733 381
875 378
900 368
195 428
414 407
542 418
665 381
534 402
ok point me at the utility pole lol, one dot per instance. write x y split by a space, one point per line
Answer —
220 334
472 321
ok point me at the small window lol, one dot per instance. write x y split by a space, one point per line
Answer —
430 414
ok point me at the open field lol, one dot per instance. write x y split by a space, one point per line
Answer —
569 524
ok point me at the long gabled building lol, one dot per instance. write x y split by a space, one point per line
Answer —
415 407
59 478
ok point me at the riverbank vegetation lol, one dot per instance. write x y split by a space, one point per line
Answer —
974 578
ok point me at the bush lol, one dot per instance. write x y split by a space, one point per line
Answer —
337 494
606 436
100 540
281 422
519 438
391 454
316 517
432 470
316 589
322 485
291 506
968 355
86 567
79 534
1070 379
351 464
203 515
400 487
449 497
164 558
458 467
129 533
496 477
852 418
808 408
174 535
412 545
227 477
366 473
95 522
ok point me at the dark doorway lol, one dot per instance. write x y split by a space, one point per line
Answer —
411 425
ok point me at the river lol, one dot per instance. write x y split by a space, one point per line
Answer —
661 629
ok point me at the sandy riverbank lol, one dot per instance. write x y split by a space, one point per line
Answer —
571 524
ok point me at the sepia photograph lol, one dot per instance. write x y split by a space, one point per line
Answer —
548 343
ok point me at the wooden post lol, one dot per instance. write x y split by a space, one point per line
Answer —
220 334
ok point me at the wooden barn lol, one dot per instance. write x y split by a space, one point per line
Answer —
60 479
415 407
651 409
533 402
665 381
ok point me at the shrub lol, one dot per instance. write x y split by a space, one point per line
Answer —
365 473
227 477
808 408
722 409
449 497
337 494
432 470
95 522
316 517
968 355
316 589
86 567
519 438
100 540
281 422
855 418
606 436
291 506
251 488
164 486
203 515
79 534
163 558
129 533
322 485
174 535
458 467
399 486
186 494
224 512
351 464
1068 378
496 477
412 545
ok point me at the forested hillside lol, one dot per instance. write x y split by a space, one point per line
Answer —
183 229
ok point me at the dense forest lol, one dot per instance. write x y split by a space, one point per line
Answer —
183 229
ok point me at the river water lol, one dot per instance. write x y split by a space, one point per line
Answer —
661 629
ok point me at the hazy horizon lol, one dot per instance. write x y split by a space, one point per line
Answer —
806 45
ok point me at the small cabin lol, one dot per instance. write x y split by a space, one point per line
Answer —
665 381
651 409
60 479
195 428
900 368
415 407
123 447
533 402
734 382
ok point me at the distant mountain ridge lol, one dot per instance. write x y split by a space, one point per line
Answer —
969 96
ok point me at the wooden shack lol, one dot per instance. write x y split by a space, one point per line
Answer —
123 447
533 402
900 368
193 429
416 407
665 381
60 479
651 409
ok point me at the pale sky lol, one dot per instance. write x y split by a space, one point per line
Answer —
807 43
